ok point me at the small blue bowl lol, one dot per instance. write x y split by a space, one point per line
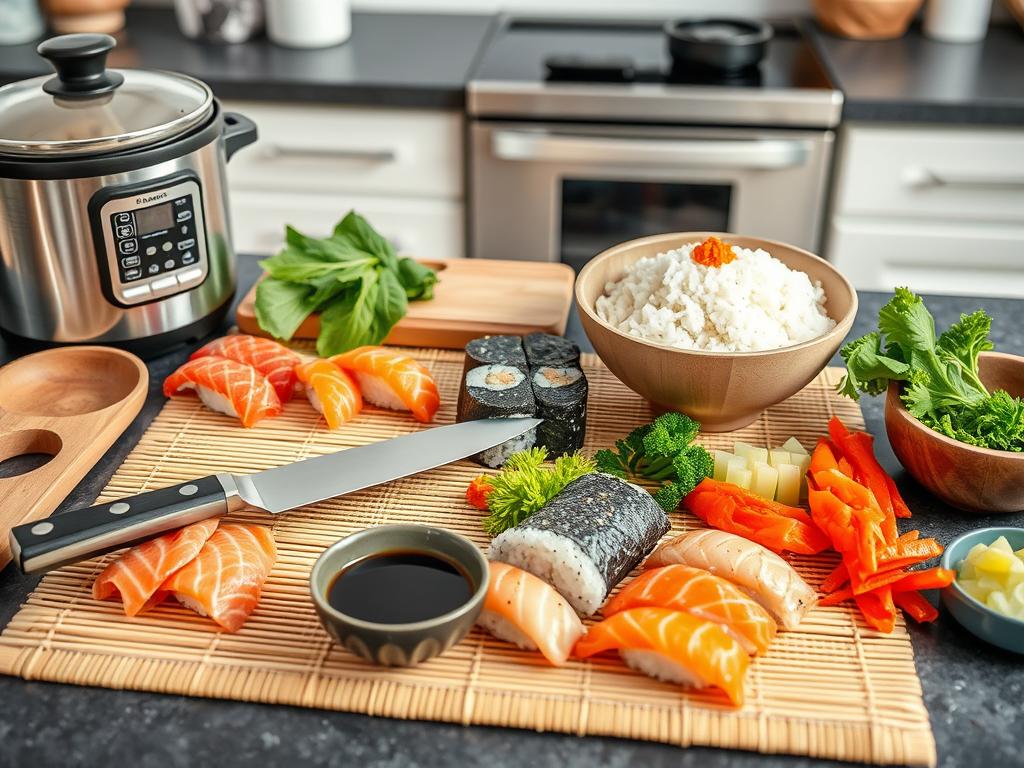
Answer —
976 617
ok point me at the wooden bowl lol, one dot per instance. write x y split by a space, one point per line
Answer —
973 479
722 390
866 19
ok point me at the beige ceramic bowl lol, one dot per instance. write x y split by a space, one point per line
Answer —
722 390
972 479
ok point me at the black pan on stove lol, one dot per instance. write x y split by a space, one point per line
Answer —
717 44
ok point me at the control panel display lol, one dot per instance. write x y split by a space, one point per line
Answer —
154 241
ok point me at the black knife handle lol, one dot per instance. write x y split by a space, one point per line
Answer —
91 531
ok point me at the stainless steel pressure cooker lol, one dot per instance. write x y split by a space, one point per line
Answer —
113 202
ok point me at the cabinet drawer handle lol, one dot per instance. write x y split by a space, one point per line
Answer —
924 178
374 156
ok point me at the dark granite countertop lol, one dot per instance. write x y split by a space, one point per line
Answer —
973 691
917 80
391 60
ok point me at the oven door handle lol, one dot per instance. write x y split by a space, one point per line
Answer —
744 154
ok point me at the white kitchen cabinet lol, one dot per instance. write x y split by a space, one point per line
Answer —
401 168
938 209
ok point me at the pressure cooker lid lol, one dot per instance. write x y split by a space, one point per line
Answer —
87 109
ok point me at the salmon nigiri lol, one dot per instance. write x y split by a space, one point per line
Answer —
392 380
227 387
273 360
527 611
331 391
673 646
138 575
225 580
759 572
706 596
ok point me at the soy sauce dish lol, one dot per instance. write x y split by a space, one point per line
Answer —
398 595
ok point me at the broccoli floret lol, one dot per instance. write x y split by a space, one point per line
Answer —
669 434
669 496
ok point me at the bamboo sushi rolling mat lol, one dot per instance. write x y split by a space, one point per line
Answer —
832 689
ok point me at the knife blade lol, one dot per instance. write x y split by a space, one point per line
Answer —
90 531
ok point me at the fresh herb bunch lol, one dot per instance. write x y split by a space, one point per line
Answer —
663 452
943 389
524 485
353 278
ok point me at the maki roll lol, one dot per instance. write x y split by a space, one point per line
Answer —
548 349
498 391
495 350
586 539
561 394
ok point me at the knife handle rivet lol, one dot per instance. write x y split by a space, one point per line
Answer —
188 490
119 508
41 529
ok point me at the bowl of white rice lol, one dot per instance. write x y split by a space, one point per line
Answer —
718 326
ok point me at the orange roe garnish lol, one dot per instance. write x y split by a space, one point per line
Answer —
713 253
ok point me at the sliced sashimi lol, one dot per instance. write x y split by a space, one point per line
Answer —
226 386
759 572
273 360
526 611
225 579
138 574
706 596
673 646
392 380
331 391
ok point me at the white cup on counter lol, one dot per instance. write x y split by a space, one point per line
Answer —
308 23
957 21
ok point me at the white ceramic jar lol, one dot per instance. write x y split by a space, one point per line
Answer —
308 23
957 21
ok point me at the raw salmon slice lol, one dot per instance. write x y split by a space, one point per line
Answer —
392 380
273 360
138 574
225 580
331 391
673 646
706 596
226 386
527 611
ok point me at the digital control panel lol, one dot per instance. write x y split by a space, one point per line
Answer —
155 242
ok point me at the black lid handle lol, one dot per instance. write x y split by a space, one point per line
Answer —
81 64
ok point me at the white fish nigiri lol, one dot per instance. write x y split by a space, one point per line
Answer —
759 572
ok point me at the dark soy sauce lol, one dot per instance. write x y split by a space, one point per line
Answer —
399 587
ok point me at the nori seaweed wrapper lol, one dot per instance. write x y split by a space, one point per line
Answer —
547 349
482 402
563 408
495 350
614 522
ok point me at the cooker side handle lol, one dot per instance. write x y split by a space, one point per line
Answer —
239 131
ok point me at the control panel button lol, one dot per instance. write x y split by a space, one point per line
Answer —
164 283
169 264
184 216
184 229
184 245
153 269
132 274
124 218
151 250
128 246
190 276
130 261
188 258
137 291
126 230
167 246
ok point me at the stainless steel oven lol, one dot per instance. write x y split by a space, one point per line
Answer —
565 191
559 171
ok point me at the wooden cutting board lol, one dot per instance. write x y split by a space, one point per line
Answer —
473 298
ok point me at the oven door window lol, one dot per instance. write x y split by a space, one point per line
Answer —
599 214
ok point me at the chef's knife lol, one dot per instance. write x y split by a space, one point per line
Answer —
87 532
